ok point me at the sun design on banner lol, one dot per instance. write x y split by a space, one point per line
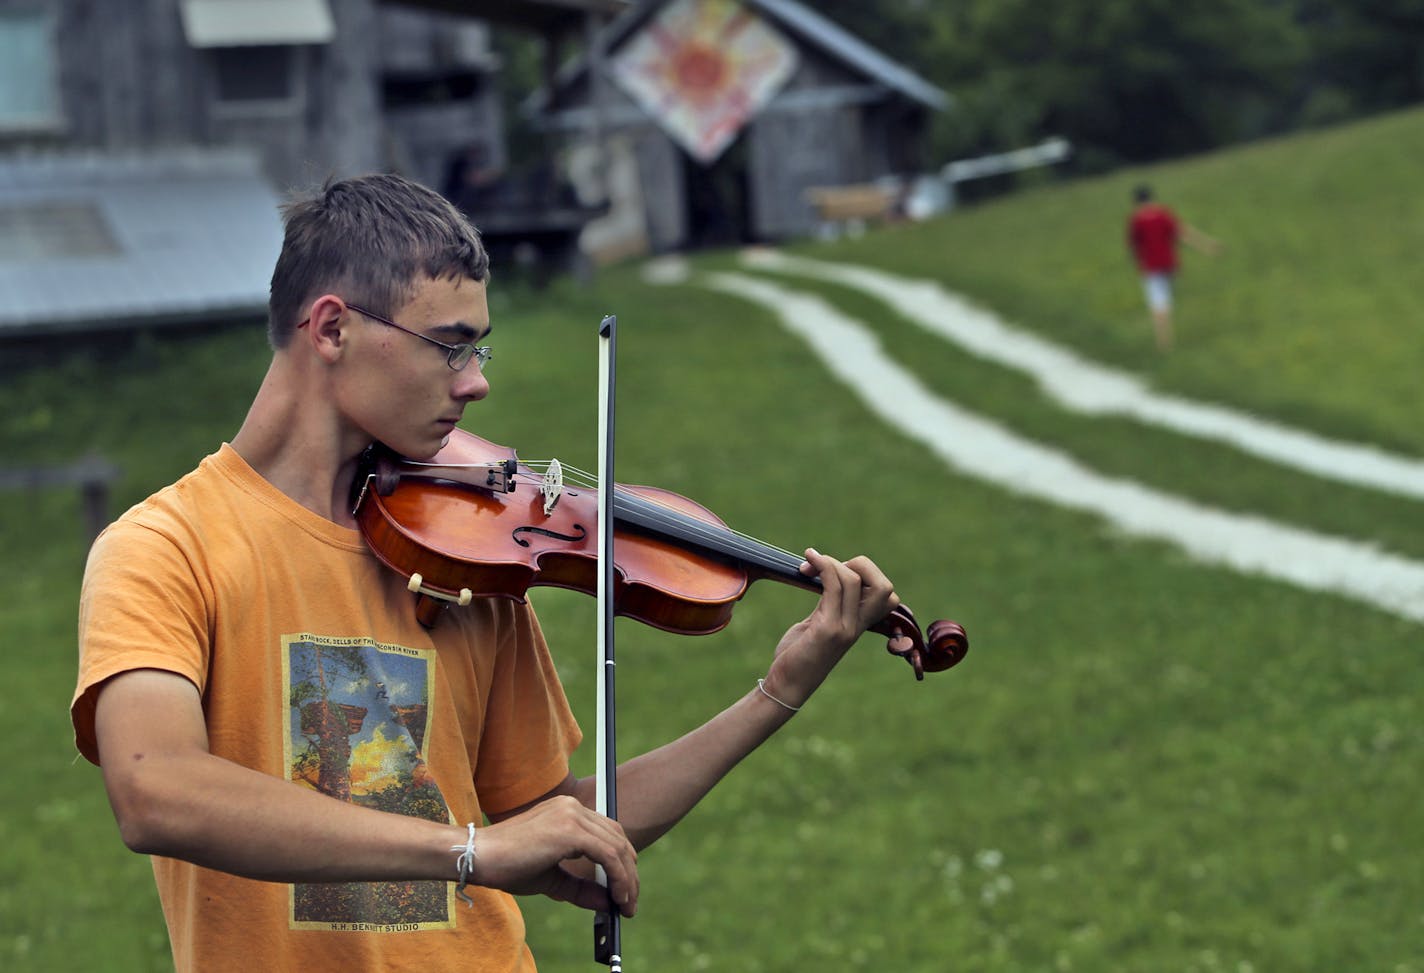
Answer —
703 68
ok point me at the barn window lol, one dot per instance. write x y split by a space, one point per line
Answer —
256 50
29 94
253 77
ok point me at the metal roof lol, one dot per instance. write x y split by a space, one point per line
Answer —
91 242
545 16
816 29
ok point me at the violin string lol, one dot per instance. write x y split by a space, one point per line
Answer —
659 516
677 523
682 519
673 522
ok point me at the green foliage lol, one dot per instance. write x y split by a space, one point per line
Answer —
1126 81
1367 50
1145 763
1123 81
1141 80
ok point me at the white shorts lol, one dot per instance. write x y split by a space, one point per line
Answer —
1158 288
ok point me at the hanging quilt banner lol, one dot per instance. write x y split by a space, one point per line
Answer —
703 69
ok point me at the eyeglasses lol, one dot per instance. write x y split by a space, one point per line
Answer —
460 354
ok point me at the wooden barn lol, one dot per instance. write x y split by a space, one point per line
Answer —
711 121
139 135
314 86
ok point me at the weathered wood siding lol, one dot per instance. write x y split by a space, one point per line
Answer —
126 73
790 153
660 163
829 126
129 79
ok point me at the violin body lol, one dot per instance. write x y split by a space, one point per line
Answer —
475 522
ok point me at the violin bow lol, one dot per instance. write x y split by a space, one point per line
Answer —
607 940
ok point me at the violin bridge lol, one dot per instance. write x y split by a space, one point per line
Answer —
552 486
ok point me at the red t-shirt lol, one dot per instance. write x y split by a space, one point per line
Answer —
1152 234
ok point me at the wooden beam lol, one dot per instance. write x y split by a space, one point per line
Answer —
541 16
92 474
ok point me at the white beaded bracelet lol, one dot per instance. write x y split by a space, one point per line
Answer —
761 684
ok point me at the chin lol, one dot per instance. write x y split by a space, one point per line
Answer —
420 450
427 451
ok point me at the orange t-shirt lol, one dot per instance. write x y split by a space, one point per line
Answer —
312 668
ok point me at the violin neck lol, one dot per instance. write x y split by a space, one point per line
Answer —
755 557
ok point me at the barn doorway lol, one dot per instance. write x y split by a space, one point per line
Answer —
718 199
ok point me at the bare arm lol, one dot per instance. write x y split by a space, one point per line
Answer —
172 797
657 789
1199 241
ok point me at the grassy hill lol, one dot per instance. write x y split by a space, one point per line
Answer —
1144 764
1309 315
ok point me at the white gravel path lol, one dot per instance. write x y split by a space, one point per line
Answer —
1084 386
979 447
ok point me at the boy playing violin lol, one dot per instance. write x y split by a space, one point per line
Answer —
313 771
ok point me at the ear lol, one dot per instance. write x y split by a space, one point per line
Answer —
326 326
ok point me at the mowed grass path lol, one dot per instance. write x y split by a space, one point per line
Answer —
1144 764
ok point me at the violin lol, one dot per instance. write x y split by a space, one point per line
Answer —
475 521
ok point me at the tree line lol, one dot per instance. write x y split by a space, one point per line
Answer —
1133 81
1126 81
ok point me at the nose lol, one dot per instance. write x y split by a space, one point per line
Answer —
470 384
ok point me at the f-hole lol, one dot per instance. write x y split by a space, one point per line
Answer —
582 533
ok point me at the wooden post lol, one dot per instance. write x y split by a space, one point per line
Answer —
92 474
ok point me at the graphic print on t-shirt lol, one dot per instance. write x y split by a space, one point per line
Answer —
357 718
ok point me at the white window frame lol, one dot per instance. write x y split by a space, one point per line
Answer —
45 121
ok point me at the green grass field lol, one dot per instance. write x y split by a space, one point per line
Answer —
1145 764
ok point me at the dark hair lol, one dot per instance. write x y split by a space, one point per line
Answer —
370 238
1142 193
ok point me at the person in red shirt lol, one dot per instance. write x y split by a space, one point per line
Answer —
1153 232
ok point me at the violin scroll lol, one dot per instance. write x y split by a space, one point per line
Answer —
944 646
